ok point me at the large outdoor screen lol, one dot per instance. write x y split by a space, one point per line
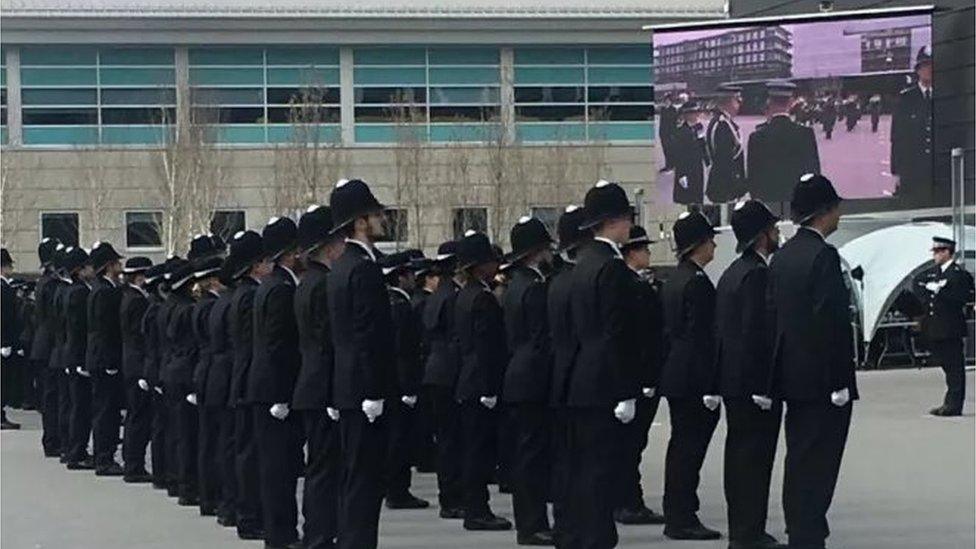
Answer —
744 110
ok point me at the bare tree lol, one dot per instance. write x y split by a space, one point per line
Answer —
412 161
98 192
14 199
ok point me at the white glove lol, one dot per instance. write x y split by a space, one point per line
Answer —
143 384
67 371
5 352
20 352
373 409
82 371
192 398
712 401
933 287
409 400
625 410
158 390
649 392
333 413
488 401
111 372
763 402
683 181
841 398
279 410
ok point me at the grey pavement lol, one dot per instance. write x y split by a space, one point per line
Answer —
907 482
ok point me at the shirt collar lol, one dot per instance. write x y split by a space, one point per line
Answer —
5 279
783 114
366 248
762 256
140 290
565 255
613 245
400 291
109 280
291 273
814 231
536 270
945 266
923 89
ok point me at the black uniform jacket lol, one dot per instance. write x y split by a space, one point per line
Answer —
417 304
779 152
562 333
216 385
200 319
443 360
154 339
480 328
605 369
313 390
689 313
646 328
10 323
44 318
362 330
74 304
407 337
104 330
177 371
726 178
527 323
911 137
813 353
689 158
131 312
744 327
242 337
277 359
58 326
945 310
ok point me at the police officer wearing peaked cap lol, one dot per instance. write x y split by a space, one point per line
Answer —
689 155
911 134
723 143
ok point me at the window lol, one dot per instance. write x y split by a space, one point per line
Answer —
143 229
60 225
465 219
78 95
226 223
395 225
549 216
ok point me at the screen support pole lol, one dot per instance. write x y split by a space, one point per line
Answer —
958 202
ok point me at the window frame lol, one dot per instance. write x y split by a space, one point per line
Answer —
456 233
230 235
40 224
143 248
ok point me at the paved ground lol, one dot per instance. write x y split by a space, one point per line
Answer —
907 482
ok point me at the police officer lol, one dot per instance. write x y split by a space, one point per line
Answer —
440 376
874 109
726 178
779 150
313 389
155 355
43 343
689 155
602 385
946 288
138 416
57 404
155 369
668 120
744 354
689 380
813 359
74 311
911 135
425 448
828 116
271 382
526 387
646 330
365 373
401 411
251 267
12 327
103 358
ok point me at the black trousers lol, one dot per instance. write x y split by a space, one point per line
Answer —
250 517
692 425
31 382
593 448
50 415
504 447
162 467
278 445
81 417
65 390
208 444
138 427
559 478
106 416
531 473
447 414
423 444
363 448
949 353
402 419
184 425
634 436
11 386
479 426
224 463
750 450
320 499
816 433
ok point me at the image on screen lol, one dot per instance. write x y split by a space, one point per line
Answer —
744 111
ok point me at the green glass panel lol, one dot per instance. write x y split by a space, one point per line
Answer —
549 56
286 133
624 55
463 56
58 77
3 135
58 55
139 77
133 135
389 133
619 75
550 132
76 135
136 56
464 132
389 56
540 75
410 77
226 56
3 76
49 96
622 131
303 77
253 77
303 56
469 75
238 134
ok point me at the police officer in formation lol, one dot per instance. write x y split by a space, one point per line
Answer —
911 134
726 178
305 336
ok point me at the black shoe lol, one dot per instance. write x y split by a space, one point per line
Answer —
543 538
694 531
111 470
9 425
504 488
137 478
188 501
172 490
487 522
452 513
765 541
52 453
83 465
406 501
228 521
64 458
292 545
208 510
250 534
159 485
425 468
641 515
943 411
